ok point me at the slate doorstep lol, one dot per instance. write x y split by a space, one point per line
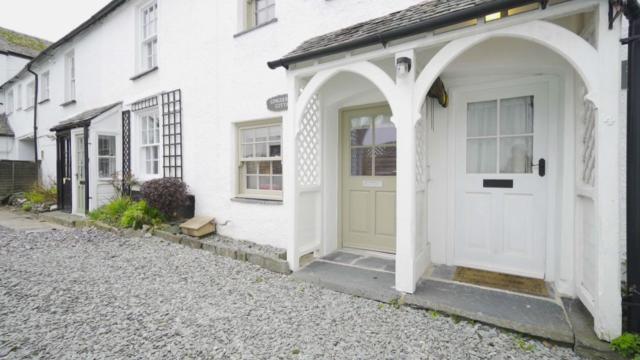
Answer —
267 261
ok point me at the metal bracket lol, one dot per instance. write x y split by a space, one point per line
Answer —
629 39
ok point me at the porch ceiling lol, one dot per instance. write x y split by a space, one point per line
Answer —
424 17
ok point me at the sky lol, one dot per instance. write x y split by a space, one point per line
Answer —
47 19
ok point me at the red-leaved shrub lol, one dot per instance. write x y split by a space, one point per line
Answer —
167 195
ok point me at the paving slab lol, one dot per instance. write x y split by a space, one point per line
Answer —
371 284
21 221
376 263
342 257
587 343
535 316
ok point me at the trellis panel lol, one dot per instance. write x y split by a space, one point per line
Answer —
126 151
172 134
308 143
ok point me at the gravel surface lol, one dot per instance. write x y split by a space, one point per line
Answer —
90 294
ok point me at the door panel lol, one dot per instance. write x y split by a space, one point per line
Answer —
79 174
368 179
64 171
500 201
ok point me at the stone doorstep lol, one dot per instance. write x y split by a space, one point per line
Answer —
64 219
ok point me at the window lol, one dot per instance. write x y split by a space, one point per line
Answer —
70 77
373 146
149 36
261 160
44 86
19 97
106 156
500 136
260 12
150 143
31 96
10 102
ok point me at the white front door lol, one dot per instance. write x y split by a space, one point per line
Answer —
80 176
501 182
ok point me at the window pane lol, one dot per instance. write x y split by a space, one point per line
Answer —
246 135
277 183
481 156
277 167
516 154
265 182
252 182
516 116
252 167
265 167
482 118
106 146
274 149
385 130
104 167
247 151
275 132
361 162
361 133
385 160
261 150
261 134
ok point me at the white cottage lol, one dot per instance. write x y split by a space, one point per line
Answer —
488 134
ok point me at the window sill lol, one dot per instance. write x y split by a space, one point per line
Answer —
143 74
67 103
43 101
272 21
248 200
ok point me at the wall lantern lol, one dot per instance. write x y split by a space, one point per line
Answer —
403 66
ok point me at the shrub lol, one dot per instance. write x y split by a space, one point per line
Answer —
26 207
139 214
627 345
112 212
167 195
39 194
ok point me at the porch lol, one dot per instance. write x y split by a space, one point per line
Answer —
472 144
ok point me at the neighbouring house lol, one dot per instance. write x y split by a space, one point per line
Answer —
481 133
16 50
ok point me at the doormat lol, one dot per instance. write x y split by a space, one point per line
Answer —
501 281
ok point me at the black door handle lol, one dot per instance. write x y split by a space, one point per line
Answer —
542 167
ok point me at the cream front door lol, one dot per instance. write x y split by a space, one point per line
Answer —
369 179
501 182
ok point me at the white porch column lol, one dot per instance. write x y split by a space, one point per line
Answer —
608 310
405 178
289 151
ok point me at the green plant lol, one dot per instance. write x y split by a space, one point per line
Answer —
40 194
26 207
140 214
112 212
627 345
167 195
524 345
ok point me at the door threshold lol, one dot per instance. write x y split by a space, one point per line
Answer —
363 252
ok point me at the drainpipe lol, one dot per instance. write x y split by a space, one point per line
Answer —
35 122
632 301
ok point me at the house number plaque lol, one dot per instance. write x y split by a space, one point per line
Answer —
278 103
372 183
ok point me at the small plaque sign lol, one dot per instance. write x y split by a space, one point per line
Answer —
278 103
372 183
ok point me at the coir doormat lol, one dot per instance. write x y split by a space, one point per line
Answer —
501 281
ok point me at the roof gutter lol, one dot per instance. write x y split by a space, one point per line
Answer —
385 37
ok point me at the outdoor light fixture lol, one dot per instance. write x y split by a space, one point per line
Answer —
403 66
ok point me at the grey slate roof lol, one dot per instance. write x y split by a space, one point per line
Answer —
22 44
84 118
440 12
5 129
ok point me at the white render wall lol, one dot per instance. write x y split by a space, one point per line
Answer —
224 80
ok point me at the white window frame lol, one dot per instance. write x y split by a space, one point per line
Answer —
45 80
31 96
148 39
70 82
19 97
10 102
252 12
112 157
242 162
142 117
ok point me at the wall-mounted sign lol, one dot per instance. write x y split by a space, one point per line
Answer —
278 103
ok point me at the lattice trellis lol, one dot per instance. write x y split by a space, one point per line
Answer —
172 133
589 144
126 151
421 176
308 145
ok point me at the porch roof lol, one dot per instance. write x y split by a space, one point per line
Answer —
5 128
83 119
424 17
